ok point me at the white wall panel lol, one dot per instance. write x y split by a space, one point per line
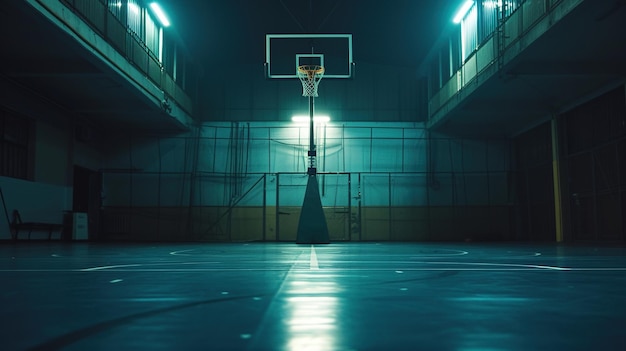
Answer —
174 190
414 159
334 190
259 156
358 155
441 191
145 190
174 154
409 190
376 190
386 155
206 150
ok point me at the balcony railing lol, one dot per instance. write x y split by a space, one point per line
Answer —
519 23
117 34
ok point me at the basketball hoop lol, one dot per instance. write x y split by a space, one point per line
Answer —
310 76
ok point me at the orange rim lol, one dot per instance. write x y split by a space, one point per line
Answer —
310 70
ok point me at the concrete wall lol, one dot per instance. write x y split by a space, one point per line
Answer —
375 93
244 180
53 152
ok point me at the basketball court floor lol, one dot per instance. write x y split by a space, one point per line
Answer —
283 296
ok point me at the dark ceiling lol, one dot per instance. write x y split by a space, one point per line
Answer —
579 56
396 32
41 61
214 32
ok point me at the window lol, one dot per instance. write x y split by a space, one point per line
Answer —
509 6
490 16
444 63
469 33
115 7
135 14
14 132
455 54
169 54
153 37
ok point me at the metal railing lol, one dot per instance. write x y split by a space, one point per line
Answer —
492 49
131 46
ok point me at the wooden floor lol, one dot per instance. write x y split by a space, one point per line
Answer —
342 296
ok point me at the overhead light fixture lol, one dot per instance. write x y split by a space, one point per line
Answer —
158 11
463 11
305 119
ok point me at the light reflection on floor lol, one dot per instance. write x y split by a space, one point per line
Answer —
312 310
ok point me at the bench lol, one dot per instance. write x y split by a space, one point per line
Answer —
20 226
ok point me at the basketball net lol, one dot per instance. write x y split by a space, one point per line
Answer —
310 76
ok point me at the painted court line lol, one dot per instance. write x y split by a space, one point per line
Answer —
503 265
101 268
313 264
503 268
439 254
600 269
181 252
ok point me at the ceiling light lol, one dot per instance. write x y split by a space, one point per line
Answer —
463 11
305 119
160 14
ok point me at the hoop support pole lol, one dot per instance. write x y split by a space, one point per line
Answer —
312 168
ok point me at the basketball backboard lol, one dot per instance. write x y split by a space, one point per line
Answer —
285 52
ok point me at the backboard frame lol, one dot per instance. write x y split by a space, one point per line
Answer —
270 37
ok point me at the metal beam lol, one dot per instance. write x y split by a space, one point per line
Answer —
539 68
46 67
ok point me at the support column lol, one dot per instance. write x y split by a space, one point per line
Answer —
312 152
556 178
312 226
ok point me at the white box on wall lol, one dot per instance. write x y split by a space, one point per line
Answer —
79 226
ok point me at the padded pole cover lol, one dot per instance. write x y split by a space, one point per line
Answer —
312 227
